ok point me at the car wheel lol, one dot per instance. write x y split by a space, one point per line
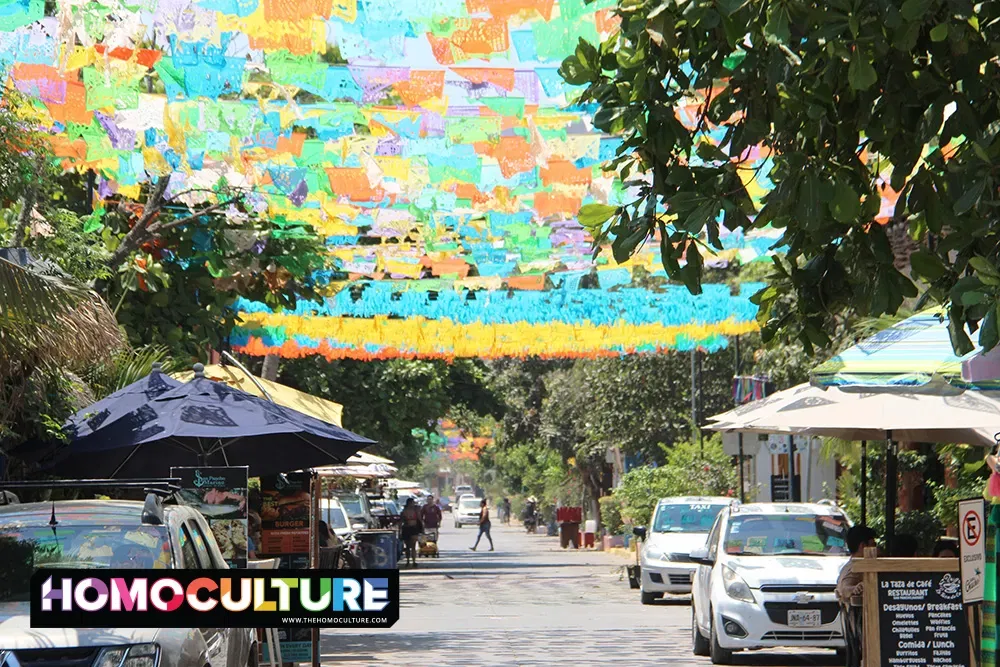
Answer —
719 655
649 598
841 656
458 525
699 643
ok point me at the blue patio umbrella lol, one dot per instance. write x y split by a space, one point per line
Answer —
202 422
120 403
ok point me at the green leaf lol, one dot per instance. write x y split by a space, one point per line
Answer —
914 10
691 272
960 341
939 33
808 205
574 72
860 73
593 216
984 267
988 335
970 197
973 298
776 28
927 265
846 205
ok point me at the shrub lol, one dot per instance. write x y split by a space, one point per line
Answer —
692 468
611 515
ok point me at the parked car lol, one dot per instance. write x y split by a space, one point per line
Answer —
358 508
462 489
333 512
766 578
102 534
679 525
444 504
467 512
386 512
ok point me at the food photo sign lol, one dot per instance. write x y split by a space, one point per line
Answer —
220 494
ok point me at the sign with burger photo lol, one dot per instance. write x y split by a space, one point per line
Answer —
284 514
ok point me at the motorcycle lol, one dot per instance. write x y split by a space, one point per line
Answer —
531 520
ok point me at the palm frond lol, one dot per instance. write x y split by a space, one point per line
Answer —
51 319
128 366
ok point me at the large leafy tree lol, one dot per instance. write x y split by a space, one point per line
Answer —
393 402
847 98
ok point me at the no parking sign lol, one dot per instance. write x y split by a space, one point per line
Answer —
972 548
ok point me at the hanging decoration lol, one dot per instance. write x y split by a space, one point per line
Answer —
427 142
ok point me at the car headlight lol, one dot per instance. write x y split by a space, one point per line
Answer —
654 554
735 587
137 655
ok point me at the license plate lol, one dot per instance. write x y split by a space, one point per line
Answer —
804 618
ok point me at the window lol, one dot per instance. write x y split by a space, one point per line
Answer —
787 534
685 517
200 546
188 552
713 538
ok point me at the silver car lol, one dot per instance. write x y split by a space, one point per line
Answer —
108 534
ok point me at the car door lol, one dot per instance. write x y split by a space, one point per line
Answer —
217 639
702 589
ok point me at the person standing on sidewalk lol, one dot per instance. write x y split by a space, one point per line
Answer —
484 525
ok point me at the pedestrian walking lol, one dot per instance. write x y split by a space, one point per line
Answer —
506 511
484 525
431 514
412 527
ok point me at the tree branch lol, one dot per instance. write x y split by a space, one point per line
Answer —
139 233
159 227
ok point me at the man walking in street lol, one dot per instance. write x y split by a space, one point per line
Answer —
431 515
484 525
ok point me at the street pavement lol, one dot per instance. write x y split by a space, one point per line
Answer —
530 603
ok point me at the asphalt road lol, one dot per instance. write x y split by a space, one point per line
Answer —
530 603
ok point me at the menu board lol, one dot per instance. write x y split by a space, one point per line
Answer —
220 494
284 516
922 620
284 520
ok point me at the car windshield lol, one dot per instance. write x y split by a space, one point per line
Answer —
468 504
352 506
786 534
24 549
337 518
685 517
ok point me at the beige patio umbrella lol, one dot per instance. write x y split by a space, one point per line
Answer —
955 416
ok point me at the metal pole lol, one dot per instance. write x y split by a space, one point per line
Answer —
864 482
743 485
890 491
792 495
231 359
694 394
809 460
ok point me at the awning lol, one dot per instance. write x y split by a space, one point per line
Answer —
913 353
328 411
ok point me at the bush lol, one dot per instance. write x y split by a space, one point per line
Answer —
691 469
611 515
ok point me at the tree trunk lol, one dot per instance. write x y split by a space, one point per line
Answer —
270 368
24 218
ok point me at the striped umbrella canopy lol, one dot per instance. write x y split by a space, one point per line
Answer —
916 352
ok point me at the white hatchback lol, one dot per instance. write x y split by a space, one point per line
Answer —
767 578
679 525
467 512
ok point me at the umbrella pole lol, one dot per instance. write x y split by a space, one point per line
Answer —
891 484
792 495
864 482
742 484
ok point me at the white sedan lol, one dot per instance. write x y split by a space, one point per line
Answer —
467 512
767 579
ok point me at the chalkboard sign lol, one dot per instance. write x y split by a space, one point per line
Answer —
922 620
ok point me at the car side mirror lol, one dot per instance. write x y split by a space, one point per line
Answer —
640 532
700 556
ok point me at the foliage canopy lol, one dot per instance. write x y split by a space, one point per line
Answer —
847 98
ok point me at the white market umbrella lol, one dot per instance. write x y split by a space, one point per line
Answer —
968 417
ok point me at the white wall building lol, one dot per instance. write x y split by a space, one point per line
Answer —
766 467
